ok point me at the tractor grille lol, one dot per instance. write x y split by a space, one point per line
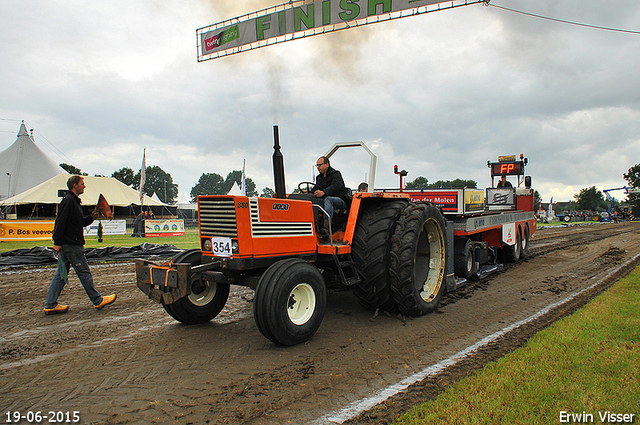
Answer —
275 229
218 217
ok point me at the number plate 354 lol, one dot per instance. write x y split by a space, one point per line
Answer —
221 247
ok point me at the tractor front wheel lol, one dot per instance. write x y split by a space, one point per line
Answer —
290 301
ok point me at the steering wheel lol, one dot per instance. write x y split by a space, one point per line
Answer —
308 184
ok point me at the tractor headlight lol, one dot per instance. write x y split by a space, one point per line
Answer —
234 247
206 244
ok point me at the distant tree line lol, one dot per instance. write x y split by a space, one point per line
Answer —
161 183
633 177
592 199
157 181
423 183
214 184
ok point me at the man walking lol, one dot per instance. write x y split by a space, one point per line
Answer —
68 243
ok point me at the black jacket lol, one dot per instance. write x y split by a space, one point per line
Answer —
70 224
333 185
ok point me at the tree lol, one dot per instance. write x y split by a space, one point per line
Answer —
537 200
214 184
125 175
457 183
590 199
423 183
208 184
159 182
267 192
419 183
633 177
72 169
236 176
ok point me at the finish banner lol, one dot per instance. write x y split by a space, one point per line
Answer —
12 230
303 18
163 228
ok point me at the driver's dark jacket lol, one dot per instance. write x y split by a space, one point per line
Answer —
333 185
70 223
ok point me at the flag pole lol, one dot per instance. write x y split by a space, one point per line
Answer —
143 178
243 188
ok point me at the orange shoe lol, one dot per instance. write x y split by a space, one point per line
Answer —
109 299
59 309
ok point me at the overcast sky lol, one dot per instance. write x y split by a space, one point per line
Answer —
438 94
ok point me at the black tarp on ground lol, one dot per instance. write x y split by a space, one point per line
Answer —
40 255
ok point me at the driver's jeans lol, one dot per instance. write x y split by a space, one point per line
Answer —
330 204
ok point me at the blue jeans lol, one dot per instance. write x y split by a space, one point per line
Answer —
72 255
330 204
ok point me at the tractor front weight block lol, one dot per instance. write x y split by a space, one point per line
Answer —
163 283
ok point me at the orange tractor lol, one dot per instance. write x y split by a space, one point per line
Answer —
396 255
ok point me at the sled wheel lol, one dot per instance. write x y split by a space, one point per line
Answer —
524 250
464 263
290 301
206 300
511 253
418 259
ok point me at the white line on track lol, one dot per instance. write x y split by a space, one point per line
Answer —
355 408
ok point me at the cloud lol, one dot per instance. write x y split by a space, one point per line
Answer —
437 94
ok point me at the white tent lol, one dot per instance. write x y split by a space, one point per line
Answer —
24 165
183 199
184 203
235 189
155 198
115 192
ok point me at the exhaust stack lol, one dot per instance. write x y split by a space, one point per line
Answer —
278 166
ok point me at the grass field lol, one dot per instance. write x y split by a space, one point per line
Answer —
587 365
189 240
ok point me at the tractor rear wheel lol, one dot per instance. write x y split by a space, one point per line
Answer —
290 301
418 259
206 300
370 250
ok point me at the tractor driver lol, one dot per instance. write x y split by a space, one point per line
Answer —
329 192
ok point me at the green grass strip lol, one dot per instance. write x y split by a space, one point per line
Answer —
191 239
586 364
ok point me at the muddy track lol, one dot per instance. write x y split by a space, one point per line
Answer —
132 363
547 241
